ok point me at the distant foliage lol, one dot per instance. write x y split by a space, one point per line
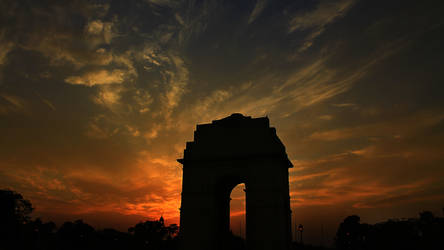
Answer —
351 234
18 231
14 209
14 218
153 234
423 233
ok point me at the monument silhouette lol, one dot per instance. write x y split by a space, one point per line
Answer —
236 149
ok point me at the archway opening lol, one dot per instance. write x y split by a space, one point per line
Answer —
237 211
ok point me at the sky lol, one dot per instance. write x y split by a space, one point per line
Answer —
98 98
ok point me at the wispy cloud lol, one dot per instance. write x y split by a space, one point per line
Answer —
47 102
344 105
5 47
97 78
11 103
316 21
390 129
177 82
258 8
371 176
101 32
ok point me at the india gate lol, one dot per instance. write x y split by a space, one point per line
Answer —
236 149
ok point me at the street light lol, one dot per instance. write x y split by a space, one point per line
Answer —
300 229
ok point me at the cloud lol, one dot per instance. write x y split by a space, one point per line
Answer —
390 129
167 3
95 27
326 117
79 192
47 102
196 18
143 100
11 103
209 102
153 55
177 80
97 78
323 14
109 96
344 105
215 105
133 131
100 32
310 84
338 185
258 8
404 197
153 132
98 131
5 48
63 40
316 21
382 174
332 135
50 105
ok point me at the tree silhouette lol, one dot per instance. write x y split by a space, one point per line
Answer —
423 233
153 234
173 229
76 235
351 234
14 211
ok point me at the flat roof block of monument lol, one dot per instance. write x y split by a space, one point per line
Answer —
239 120
235 136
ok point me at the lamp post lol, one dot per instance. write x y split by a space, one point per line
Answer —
300 229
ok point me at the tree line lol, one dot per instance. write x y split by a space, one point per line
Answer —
423 233
19 231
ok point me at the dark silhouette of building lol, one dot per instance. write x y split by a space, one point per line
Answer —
227 152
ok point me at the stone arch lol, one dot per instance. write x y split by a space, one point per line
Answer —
233 150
